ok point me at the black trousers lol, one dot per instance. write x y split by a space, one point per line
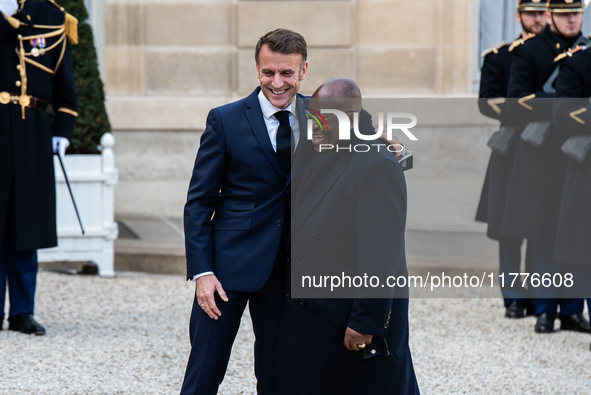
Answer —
18 269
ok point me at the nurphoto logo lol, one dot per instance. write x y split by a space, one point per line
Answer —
392 121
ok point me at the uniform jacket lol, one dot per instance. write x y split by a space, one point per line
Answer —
26 156
494 79
349 216
574 224
494 82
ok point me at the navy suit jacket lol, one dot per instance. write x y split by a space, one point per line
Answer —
237 176
234 215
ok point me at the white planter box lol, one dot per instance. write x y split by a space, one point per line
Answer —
93 178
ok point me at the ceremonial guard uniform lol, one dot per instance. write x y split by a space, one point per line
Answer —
535 186
493 91
38 106
572 115
494 82
494 79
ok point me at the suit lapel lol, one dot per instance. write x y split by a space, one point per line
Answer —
259 128
307 204
303 148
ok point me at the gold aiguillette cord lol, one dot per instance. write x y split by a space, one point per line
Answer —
23 100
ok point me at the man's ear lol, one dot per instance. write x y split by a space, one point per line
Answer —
303 71
258 71
548 17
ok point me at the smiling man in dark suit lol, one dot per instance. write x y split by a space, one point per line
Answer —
237 216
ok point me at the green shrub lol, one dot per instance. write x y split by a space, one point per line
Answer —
93 120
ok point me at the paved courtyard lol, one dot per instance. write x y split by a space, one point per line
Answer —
128 335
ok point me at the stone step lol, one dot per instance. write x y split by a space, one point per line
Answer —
156 245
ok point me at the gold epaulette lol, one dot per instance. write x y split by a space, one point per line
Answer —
494 50
72 28
569 52
71 24
520 41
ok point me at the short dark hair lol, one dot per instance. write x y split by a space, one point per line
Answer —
284 41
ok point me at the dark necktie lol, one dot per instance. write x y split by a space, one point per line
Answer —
283 137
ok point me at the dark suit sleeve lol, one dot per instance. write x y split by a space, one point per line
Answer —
381 217
570 98
202 197
408 163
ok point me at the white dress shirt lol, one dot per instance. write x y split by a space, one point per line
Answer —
272 123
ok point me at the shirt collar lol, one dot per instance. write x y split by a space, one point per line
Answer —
269 110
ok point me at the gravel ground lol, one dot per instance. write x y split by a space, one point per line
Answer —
128 335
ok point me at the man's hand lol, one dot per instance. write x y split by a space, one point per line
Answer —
398 147
59 144
8 7
205 289
355 341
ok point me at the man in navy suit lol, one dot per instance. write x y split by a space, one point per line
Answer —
237 216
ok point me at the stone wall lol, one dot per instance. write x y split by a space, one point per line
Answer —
168 62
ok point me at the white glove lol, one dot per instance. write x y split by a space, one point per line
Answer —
59 144
8 7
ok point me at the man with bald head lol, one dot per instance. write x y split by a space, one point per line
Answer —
339 93
348 219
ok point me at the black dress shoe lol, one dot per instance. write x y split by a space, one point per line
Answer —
26 324
575 322
545 323
514 310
